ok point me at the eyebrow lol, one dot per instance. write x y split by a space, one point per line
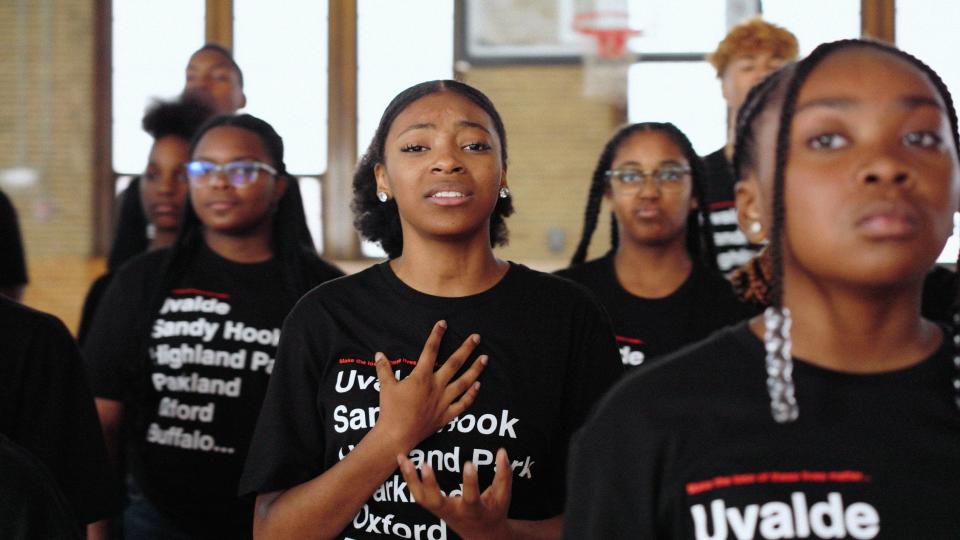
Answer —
231 160
661 164
461 123
909 102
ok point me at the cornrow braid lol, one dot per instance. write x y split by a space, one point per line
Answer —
777 318
699 238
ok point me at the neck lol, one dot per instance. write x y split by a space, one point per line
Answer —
162 238
857 330
247 248
445 268
652 271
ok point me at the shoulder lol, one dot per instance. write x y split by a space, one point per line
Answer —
33 338
29 320
339 289
561 286
711 371
585 272
319 269
149 262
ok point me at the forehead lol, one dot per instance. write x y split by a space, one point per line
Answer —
866 75
755 55
438 108
227 142
648 146
170 143
208 59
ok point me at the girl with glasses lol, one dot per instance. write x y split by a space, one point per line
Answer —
835 414
183 343
513 361
659 282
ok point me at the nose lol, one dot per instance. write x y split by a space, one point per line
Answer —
218 180
446 161
885 168
649 188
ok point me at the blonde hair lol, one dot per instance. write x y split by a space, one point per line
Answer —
750 36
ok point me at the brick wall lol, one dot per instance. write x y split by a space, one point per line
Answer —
555 136
46 119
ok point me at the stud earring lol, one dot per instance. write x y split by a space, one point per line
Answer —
382 196
504 192
756 227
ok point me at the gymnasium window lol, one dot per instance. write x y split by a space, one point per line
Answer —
673 82
928 30
390 58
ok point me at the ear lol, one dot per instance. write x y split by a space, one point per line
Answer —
243 100
694 203
503 177
383 181
751 216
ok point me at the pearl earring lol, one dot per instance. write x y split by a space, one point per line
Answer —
382 196
504 192
756 227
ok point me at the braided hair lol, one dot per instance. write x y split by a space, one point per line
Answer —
380 221
783 87
699 234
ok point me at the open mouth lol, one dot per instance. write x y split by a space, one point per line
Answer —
449 197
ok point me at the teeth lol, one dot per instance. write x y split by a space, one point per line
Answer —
447 194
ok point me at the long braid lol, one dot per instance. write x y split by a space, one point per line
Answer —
594 199
777 318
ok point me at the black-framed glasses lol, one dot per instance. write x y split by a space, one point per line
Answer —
238 173
668 177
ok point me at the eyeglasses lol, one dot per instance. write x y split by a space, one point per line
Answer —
669 177
238 173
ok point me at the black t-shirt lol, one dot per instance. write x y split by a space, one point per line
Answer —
90 303
192 400
13 263
647 328
689 449
46 407
733 248
551 356
32 505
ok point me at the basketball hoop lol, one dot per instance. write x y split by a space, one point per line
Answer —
605 65
609 29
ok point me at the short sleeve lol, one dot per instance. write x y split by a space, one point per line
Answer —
113 344
55 418
288 442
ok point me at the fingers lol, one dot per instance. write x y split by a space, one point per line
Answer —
424 489
457 359
499 490
471 486
459 406
465 381
384 371
428 356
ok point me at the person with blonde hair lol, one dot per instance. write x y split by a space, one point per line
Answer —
750 51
